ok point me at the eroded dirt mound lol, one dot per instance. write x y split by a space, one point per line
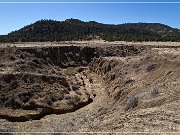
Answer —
139 76
47 80
38 86
144 91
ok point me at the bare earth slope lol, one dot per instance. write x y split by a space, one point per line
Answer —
119 88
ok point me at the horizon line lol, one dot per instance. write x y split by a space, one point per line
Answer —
89 2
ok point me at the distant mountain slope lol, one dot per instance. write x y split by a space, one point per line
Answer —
74 29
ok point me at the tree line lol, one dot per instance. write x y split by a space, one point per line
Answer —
74 29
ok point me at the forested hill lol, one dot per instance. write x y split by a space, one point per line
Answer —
74 29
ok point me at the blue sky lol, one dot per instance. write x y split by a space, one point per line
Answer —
15 16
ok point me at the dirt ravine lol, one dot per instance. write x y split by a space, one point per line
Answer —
90 88
94 89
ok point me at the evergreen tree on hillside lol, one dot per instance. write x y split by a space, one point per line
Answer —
74 29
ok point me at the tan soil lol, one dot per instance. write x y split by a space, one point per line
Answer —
131 92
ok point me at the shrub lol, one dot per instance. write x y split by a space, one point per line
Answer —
128 80
151 67
154 91
132 102
14 84
1 65
12 57
36 61
9 77
136 65
67 97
